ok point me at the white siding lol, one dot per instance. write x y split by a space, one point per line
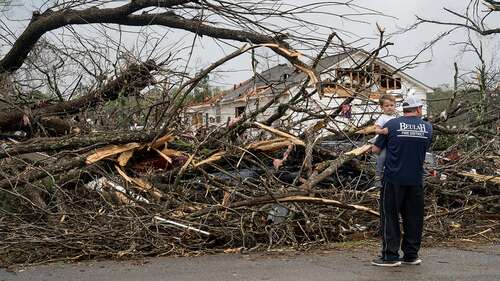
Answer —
362 110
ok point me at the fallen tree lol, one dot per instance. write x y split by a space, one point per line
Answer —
130 82
255 183
170 195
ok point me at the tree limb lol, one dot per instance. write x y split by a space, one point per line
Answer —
131 81
49 20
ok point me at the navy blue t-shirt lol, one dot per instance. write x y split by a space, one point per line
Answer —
406 144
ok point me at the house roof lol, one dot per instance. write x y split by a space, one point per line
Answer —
209 101
282 77
277 78
329 61
427 88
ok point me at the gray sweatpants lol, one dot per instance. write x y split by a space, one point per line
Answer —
379 169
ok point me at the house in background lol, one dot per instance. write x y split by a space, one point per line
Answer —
340 77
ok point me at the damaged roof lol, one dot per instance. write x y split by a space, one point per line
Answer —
278 78
282 77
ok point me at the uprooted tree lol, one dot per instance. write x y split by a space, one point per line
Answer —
78 183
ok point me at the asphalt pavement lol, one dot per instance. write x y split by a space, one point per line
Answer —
478 263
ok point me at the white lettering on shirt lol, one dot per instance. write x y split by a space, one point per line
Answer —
412 130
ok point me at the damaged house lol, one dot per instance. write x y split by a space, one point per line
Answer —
340 78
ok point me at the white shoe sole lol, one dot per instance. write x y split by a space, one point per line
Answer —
387 264
416 262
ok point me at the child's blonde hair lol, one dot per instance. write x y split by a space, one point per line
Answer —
385 97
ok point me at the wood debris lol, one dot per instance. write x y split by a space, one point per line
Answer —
110 151
482 178
175 194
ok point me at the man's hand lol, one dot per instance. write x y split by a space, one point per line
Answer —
376 149
381 131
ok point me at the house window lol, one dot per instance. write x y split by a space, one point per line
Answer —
390 83
351 77
197 118
238 111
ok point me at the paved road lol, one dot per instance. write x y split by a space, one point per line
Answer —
481 263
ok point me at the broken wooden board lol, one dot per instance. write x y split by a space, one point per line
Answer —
173 153
360 150
481 178
141 184
124 157
288 136
288 52
269 145
109 151
164 156
366 130
161 141
214 157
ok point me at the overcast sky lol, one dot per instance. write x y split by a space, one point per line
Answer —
402 14
442 56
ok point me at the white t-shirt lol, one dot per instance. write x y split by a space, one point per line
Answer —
383 119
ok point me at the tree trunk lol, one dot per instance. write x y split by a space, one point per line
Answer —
130 82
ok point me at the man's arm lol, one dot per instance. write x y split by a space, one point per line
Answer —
381 131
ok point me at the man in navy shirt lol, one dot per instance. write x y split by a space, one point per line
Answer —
406 143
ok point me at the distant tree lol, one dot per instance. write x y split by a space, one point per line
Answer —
475 92
203 90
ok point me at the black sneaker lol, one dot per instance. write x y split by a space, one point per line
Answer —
414 261
381 262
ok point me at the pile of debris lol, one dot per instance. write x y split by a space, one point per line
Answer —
77 197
